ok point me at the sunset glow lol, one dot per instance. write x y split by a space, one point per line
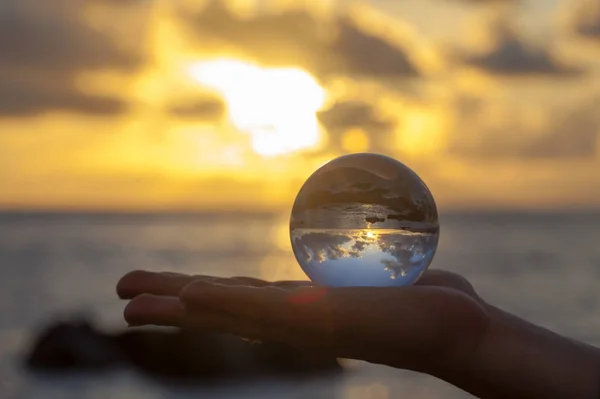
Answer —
233 104
275 106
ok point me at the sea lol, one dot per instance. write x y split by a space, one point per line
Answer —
544 267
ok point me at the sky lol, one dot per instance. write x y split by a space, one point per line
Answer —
231 105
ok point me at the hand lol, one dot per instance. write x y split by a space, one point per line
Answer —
439 326
432 325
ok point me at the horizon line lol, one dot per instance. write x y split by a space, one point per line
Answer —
279 211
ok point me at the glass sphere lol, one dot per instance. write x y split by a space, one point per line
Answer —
364 220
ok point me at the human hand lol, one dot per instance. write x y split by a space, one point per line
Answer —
439 326
429 326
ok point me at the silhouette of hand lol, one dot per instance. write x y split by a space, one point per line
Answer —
439 326
432 325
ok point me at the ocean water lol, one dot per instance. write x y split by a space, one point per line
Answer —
543 267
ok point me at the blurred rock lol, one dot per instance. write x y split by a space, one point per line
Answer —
169 353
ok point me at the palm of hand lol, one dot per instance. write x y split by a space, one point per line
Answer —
437 322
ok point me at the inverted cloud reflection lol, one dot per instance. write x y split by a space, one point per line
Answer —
397 253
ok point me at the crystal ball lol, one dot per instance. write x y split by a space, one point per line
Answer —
364 220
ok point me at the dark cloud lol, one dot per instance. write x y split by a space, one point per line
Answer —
349 114
343 116
571 133
119 3
510 54
199 109
21 99
566 133
37 37
298 38
583 18
365 54
49 42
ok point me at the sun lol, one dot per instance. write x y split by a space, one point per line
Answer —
276 106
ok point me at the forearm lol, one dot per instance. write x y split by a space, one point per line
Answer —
520 360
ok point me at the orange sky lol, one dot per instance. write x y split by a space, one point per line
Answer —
183 113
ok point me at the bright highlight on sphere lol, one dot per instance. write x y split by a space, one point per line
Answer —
364 220
276 106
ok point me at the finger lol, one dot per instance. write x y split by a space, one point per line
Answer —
253 282
291 284
149 309
273 306
202 294
413 320
169 284
207 320
142 282
239 280
155 310
317 310
163 283
443 278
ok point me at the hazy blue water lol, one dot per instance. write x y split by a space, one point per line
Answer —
545 268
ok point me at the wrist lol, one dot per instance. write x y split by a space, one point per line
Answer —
520 360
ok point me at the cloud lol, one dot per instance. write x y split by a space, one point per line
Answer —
557 132
331 246
349 114
50 43
398 254
296 37
346 115
321 247
488 1
508 53
408 252
583 18
367 54
55 40
571 133
198 109
21 99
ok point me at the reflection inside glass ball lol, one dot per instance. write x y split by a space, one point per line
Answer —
364 220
